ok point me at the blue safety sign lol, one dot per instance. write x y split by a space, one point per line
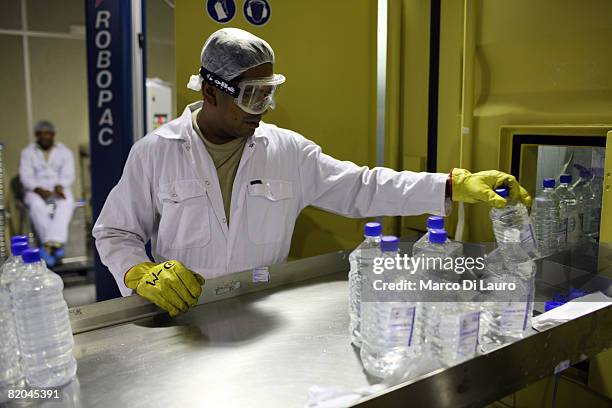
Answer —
222 11
257 12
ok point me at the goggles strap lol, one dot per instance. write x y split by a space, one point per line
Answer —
219 83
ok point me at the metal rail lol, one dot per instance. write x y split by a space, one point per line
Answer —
132 308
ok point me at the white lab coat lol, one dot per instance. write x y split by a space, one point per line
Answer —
35 171
169 193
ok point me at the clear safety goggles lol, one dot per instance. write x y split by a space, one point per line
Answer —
253 96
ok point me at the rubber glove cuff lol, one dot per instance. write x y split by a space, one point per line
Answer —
480 187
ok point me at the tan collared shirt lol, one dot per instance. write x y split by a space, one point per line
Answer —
226 157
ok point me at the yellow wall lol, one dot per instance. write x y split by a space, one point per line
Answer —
327 51
536 63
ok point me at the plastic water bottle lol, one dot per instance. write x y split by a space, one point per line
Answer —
361 262
513 230
433 222
569 225
587 209
43 325
390 337
506 316
11 374
597 187
450 328
439 246
546 218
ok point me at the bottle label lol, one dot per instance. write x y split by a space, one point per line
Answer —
401 325
563 230
469 324
528 241
574 229
465 326
514 316
527 235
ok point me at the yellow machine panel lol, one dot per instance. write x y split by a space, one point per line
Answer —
327 51
505 67
524 63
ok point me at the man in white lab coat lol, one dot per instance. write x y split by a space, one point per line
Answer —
46 170
219 190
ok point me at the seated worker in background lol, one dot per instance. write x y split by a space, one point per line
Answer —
46 171
219 190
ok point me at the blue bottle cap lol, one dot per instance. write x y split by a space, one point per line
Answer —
17 248
389 243
373 229
575 293
31 255
437 236
551 304
503 192
549 183
585 173
19 238
435 222
565 178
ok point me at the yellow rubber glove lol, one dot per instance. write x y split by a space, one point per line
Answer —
480 187
170 285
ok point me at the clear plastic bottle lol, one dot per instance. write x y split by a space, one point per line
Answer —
569 225
545 216
429 248
587 209
506 316
43 325
361 262
597 187
513 230
433 222
11 374
390 337
449 329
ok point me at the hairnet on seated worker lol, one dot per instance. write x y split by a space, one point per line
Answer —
229 52
44 124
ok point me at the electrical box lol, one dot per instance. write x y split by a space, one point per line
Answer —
159 103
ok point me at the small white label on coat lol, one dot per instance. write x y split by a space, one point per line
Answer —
261 274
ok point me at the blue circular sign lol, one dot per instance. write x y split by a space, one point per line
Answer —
222 11
257 12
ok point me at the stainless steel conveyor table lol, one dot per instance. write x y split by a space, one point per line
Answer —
258 344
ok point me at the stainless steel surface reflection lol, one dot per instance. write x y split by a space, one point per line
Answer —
263 345
261 349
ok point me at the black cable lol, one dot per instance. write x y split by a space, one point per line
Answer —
554 396
434 74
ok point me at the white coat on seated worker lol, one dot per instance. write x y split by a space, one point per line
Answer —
46 170
218 190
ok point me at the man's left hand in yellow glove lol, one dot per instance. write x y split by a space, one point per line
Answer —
170 285
480 187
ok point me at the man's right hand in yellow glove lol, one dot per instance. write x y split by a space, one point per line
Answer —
170 285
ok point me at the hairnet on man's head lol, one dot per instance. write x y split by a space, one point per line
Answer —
44 125
229 52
